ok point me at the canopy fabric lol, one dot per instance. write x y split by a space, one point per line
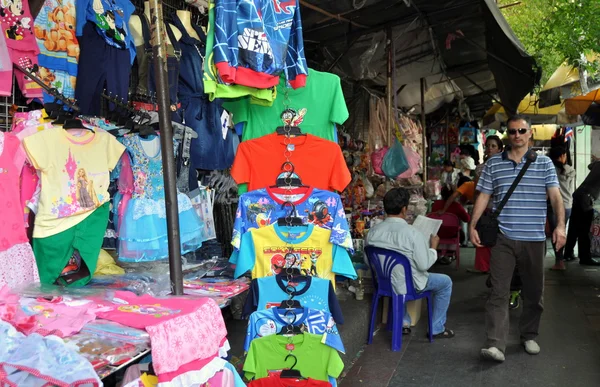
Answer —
464 49
566 83
528 107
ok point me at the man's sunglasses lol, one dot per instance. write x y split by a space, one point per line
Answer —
512 132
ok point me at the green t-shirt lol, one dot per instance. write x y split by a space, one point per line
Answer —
216 89
315 360
314 108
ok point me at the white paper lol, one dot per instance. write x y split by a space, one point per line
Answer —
427 225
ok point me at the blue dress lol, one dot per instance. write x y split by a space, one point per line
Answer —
143 232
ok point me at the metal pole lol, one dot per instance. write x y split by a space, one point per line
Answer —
159 50
389 91
424 134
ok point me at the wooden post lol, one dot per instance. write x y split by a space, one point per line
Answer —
424 134
389 91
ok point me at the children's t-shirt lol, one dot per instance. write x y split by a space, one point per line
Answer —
142 311
262 207
315 360
269 250
75 174
271 321
313 293
318 162
314 108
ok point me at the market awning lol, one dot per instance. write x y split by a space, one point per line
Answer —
576 88
463 48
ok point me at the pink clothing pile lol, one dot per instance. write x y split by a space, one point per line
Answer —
43 317
187 334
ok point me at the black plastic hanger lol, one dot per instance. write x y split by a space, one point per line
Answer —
291 373
289 130
290 179
75 123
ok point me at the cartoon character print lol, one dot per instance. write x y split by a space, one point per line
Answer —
86 196
277 263
319 215
154 310
11 12
291 117
106 21
59 36
303 259
267 329
140 183
38 310
259 213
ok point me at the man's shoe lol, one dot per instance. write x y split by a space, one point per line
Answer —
569 257
531 347
513 302
493 353
589 262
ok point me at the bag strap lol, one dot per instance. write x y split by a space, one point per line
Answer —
531 157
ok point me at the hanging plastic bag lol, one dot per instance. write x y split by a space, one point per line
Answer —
394 161
377 159
414 163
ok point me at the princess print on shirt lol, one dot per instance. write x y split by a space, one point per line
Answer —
83 190
151 310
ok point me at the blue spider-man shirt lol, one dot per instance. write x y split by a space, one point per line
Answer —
264 206
257 40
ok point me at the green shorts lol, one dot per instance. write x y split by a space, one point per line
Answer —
53 253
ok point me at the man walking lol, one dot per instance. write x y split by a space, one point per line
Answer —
522 240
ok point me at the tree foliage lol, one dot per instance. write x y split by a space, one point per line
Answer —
554 31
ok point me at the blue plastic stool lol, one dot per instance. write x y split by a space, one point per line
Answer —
382 280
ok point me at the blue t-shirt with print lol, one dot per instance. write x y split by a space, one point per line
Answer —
111 18
311 292
262 207
271 321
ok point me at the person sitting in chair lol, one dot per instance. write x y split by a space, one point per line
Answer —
394 233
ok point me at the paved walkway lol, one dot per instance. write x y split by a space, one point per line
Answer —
569 338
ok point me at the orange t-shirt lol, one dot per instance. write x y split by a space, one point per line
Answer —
468 190
319 163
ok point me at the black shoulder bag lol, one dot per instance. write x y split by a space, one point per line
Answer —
488 226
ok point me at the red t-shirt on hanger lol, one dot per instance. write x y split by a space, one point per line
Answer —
319 163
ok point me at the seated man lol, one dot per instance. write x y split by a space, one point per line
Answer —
395 234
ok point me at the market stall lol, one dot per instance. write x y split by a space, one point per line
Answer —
166 161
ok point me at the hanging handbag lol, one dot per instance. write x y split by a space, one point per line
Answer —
488 226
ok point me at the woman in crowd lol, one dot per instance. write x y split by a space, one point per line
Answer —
493 146
566 179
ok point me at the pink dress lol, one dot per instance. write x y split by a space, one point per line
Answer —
17 262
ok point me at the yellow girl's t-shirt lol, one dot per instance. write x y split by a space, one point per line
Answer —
269 250
75 174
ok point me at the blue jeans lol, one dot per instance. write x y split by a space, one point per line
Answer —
440 285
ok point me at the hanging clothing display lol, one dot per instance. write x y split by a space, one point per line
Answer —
314 108
276 381
313 293
17 263
320 163
16 23
315 360
74 174
214 86
143 230
262 207
269 250
212 149
271 321
59 48
256 41
145 63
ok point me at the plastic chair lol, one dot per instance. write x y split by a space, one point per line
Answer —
449 221
382 279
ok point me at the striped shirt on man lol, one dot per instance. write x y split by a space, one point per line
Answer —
523 218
